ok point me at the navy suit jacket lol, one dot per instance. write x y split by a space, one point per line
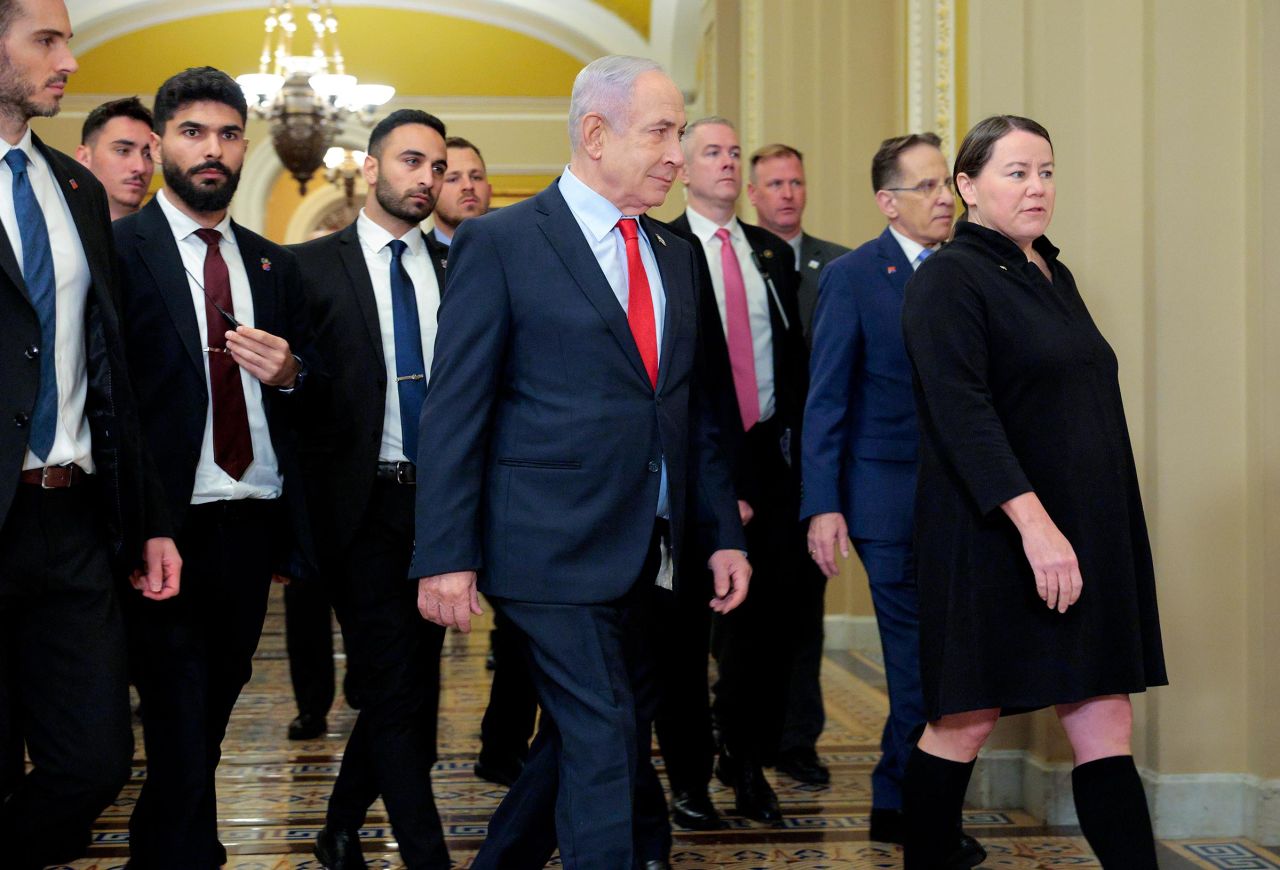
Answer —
166 359
541 437
860 432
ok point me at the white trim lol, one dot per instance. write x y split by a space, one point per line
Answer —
1183 805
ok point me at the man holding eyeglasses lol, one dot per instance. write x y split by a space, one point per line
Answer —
860 433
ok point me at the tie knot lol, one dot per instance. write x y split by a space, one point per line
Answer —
17 160
627 226
398 247
723 235
210 237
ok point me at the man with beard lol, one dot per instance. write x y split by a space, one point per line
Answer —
465 193
115 144
75 501
213 314
373 290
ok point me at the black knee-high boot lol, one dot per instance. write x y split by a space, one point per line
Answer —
1113 813
932 796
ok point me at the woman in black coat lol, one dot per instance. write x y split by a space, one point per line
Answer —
1035 574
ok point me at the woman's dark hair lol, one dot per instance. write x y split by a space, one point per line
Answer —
980 141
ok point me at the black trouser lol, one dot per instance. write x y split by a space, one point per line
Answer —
682 650
308 631
589 785
755 644
63 687
513 702
393 679
806 715
191 656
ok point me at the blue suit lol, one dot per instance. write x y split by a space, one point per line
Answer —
859 459
542 442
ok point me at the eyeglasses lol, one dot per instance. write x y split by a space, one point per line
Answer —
928 187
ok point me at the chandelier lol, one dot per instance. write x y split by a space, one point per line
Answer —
307 97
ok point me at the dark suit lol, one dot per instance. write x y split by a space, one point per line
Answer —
815 254
751 692
63 688
860 441
364 530
805 714
192 655
547 442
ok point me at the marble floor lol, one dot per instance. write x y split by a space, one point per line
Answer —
272 793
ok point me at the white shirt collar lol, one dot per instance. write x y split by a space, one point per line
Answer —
910 247
183 225
595 213
376 237
705 228
24 145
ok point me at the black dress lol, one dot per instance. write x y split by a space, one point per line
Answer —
1017 391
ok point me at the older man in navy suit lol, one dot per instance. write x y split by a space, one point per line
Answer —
567 457
860 435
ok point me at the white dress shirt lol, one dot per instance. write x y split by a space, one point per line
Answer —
71 441
374 242
757 297
598 218
262 478
910 247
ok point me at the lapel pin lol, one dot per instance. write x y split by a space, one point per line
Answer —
768 253
444 263
1004 268
891 269
813 264
660 239
266 264
73 183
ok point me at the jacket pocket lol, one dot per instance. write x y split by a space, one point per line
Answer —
565 464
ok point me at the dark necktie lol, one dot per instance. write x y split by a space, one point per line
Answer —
411 369
640 302
232 446
37 273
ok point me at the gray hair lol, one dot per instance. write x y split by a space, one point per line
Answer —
686 144
604 86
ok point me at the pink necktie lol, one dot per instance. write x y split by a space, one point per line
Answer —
742 355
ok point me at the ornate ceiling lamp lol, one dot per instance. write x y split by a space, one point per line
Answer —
307 97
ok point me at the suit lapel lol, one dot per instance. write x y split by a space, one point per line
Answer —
86 222
897 270
352 257
9 263
262 284
565 235
676 284
159 253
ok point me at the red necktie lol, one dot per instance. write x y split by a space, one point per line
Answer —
737 321
640 302
232 447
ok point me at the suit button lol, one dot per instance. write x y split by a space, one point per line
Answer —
653 465
33 352
21 419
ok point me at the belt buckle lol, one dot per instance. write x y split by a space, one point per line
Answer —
403 472
45 477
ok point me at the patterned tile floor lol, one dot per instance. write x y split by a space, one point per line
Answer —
272 793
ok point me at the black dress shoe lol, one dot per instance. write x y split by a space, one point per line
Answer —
803 764
887 826
339 849
694 810
968 853
307 726
499 770
753 797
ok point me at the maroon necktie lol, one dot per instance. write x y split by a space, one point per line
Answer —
640 302
232 447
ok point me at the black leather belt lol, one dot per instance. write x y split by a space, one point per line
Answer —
398 472
55 476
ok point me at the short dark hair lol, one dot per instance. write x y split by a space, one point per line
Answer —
980 141
195 85
885 170
769 152
399 118
459 142
128 107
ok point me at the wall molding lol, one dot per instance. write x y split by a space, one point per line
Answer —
931 69
1183 805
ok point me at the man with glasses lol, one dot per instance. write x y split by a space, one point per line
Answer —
859 437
